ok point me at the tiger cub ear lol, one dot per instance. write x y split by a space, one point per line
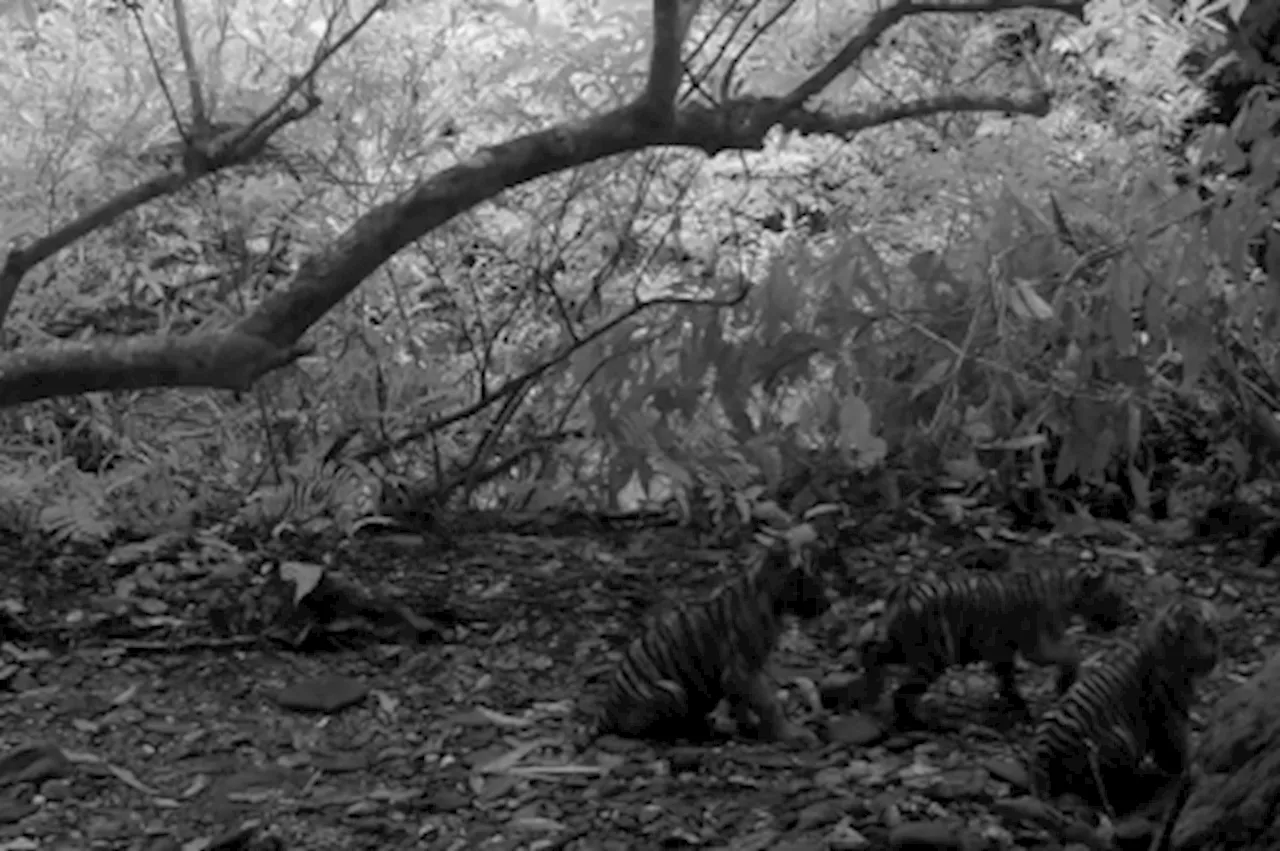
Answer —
1188 631
1190 613
1204 621
1094 577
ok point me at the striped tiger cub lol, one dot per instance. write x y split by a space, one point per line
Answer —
674 675
1134 705
930 626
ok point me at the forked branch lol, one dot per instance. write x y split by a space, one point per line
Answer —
201 156
268 337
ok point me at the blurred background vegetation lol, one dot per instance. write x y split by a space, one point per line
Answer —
1068 317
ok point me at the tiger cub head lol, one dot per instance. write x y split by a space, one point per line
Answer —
1100 601
1187 635
795 570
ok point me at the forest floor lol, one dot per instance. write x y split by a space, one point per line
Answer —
130 720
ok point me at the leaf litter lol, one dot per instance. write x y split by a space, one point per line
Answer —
376 693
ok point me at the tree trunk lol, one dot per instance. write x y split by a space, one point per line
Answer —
1233 805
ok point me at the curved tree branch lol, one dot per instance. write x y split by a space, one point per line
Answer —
1034 102
201 156
226 360
879 23
269 337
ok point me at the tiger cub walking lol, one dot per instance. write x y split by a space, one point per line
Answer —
929 627
674 675
1135 704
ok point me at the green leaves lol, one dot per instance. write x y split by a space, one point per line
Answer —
856 432
737 393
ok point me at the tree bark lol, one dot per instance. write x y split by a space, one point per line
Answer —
1233 804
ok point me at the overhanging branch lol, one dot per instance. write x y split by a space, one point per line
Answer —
865 38
200 156
745 123
268 337
847 124
871 31
223 359
1068 7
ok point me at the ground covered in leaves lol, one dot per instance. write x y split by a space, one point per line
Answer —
156 697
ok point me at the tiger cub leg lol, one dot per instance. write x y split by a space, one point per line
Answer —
751 692
1060 652
1006 670
1168 744
906 699
871 687
875 658
659 711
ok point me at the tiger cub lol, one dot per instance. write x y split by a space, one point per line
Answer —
1134 705
674 675
930 626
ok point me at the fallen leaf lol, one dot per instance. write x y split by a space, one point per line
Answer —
129 779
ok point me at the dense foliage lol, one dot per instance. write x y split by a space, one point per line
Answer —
1067 311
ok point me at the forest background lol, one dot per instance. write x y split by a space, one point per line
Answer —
306 266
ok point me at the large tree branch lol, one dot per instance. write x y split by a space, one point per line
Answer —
671 22
201 156
327 276
226 359
239 146
268 338
1033 102
881 21
1070 7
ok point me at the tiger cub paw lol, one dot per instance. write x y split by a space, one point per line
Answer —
911 722
798 735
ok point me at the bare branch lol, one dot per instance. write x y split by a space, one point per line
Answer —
671 22
838 64
516 384
1026 103
20 261
882 20
244 143
268 338
200 157
237 149
964 7
136 10
743 123
199 113
223 359
741 17
726 81
326 277
324 52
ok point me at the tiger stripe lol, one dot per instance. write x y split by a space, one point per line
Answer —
677 671
1134 705
929 627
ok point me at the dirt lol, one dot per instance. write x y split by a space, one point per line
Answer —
140 710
